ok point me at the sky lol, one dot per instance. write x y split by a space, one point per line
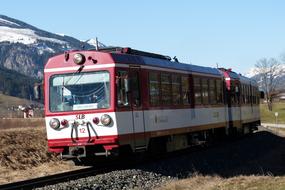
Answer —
230 34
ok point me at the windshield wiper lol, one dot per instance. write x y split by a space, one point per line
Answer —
80 69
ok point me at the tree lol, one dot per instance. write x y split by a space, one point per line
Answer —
270 72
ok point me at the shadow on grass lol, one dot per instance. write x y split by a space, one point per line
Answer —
261 153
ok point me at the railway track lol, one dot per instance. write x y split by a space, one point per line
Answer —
49 180
62 177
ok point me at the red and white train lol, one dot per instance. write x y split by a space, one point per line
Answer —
103 102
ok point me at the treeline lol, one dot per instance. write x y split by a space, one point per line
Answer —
13 83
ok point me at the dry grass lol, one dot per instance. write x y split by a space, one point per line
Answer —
8 175
22 148
195 182
8 101
24 155
199 182
8 123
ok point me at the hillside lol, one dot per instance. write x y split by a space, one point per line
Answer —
16 84
24 49
9 106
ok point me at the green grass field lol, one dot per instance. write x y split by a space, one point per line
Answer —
269 116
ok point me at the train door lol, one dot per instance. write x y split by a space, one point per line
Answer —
137 111
234 106
238 104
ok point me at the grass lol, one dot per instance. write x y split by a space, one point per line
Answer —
22 148
8 101
252 182
269 116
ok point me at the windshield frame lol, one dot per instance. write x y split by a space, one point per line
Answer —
50 80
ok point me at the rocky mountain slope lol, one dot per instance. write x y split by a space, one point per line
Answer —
24 49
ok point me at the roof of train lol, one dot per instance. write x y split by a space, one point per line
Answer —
163 63
136 57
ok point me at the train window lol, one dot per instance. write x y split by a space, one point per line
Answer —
249 95
185 91
219 85
79 91
154 92
135 87
212 91
166 89
233 93
122 89
253 95
197 90
176 87
205 91
237 94
243 95
258 96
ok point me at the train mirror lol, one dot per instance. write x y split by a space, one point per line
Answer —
261 94
127 85
37 91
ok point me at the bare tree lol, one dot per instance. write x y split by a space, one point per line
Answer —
270 72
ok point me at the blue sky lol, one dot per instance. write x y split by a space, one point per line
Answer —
234 34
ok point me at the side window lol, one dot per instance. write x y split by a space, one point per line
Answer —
237 93
212 91
219 85
122 89
135 86
205 89
154 91
232 93
166 89
258 96
176 87
243 94
185 90
197 90
250 94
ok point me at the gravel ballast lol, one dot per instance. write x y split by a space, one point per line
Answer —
123 179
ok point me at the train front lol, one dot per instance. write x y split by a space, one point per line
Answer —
78 104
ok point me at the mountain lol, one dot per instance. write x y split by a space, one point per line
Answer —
24 49
280 76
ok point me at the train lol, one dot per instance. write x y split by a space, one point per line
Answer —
106 102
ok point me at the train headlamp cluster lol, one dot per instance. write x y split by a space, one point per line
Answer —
106 119
79 59
54 123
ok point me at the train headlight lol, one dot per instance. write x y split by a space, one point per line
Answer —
54 123
106 119
78 58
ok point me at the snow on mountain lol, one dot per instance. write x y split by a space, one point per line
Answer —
6 22
25 48
251 72
24 36
93 43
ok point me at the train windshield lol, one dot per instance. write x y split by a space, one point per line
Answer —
79 91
